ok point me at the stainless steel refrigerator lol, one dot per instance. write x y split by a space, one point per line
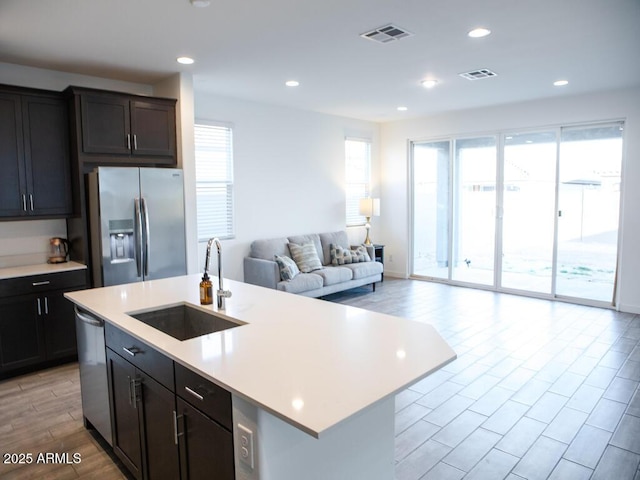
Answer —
137 224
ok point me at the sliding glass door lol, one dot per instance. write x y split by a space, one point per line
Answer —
474 210
529 191
454 188
588 211
534 212
431 167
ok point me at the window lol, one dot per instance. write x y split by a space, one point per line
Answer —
214 180
358 177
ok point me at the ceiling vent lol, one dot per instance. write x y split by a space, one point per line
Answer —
386 34
478 74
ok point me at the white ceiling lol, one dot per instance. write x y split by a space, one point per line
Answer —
248 48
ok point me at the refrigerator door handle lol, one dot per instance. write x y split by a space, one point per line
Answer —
138 235
147 235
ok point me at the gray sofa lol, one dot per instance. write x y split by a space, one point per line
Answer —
261 269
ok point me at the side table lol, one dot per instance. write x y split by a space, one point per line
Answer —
379 256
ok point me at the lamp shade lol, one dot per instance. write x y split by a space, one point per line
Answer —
370 207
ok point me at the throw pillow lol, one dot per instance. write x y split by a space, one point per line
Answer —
288 268
361 254
305 256
344 256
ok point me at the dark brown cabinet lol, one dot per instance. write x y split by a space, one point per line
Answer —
127 436
166 426
37 326
115 128
143 421
21 333
59 325
200 436
34 154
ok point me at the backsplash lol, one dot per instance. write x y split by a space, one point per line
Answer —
27 242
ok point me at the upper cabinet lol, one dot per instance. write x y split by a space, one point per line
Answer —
34 154
115 128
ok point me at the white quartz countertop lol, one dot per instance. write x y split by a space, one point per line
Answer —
39 269
310 362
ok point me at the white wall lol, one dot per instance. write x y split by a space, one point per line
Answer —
289 172
621 104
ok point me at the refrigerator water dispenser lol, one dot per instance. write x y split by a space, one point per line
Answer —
121 240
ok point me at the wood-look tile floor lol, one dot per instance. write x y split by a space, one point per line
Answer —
539 390
40 414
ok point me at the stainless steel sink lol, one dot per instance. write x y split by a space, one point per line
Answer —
183 321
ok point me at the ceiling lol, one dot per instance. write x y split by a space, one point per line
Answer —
249 48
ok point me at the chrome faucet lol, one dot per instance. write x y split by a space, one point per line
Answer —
221 293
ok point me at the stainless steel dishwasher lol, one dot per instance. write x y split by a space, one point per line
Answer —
93 373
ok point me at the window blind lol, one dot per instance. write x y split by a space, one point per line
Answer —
358 178
214 181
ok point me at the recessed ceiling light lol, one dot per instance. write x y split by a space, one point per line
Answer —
479 32
200 3
429 83
185 60
292 83
560 83
402 109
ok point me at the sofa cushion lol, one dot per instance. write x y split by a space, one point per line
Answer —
266 249
287 267
333 275
302 283
337 238
305 256
343 256
365 269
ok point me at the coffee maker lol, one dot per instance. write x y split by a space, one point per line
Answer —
58 250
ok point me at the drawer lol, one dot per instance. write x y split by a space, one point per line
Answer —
206 396
138 353
41 283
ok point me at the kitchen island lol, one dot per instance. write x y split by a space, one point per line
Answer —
313 381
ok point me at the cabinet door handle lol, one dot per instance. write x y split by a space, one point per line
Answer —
195 394
175 427
38 284
39 309
133 351
24 202
133 393
31 201
129 141
46 306
135 141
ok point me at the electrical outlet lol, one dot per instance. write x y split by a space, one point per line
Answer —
391 258
245 447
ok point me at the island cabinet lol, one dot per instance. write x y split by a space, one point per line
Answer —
205 417
37 326
117 128
34 154
166 426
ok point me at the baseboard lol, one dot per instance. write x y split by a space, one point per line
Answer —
403 276
626 308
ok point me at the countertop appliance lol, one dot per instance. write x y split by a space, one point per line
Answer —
94 384
137 224
58 250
